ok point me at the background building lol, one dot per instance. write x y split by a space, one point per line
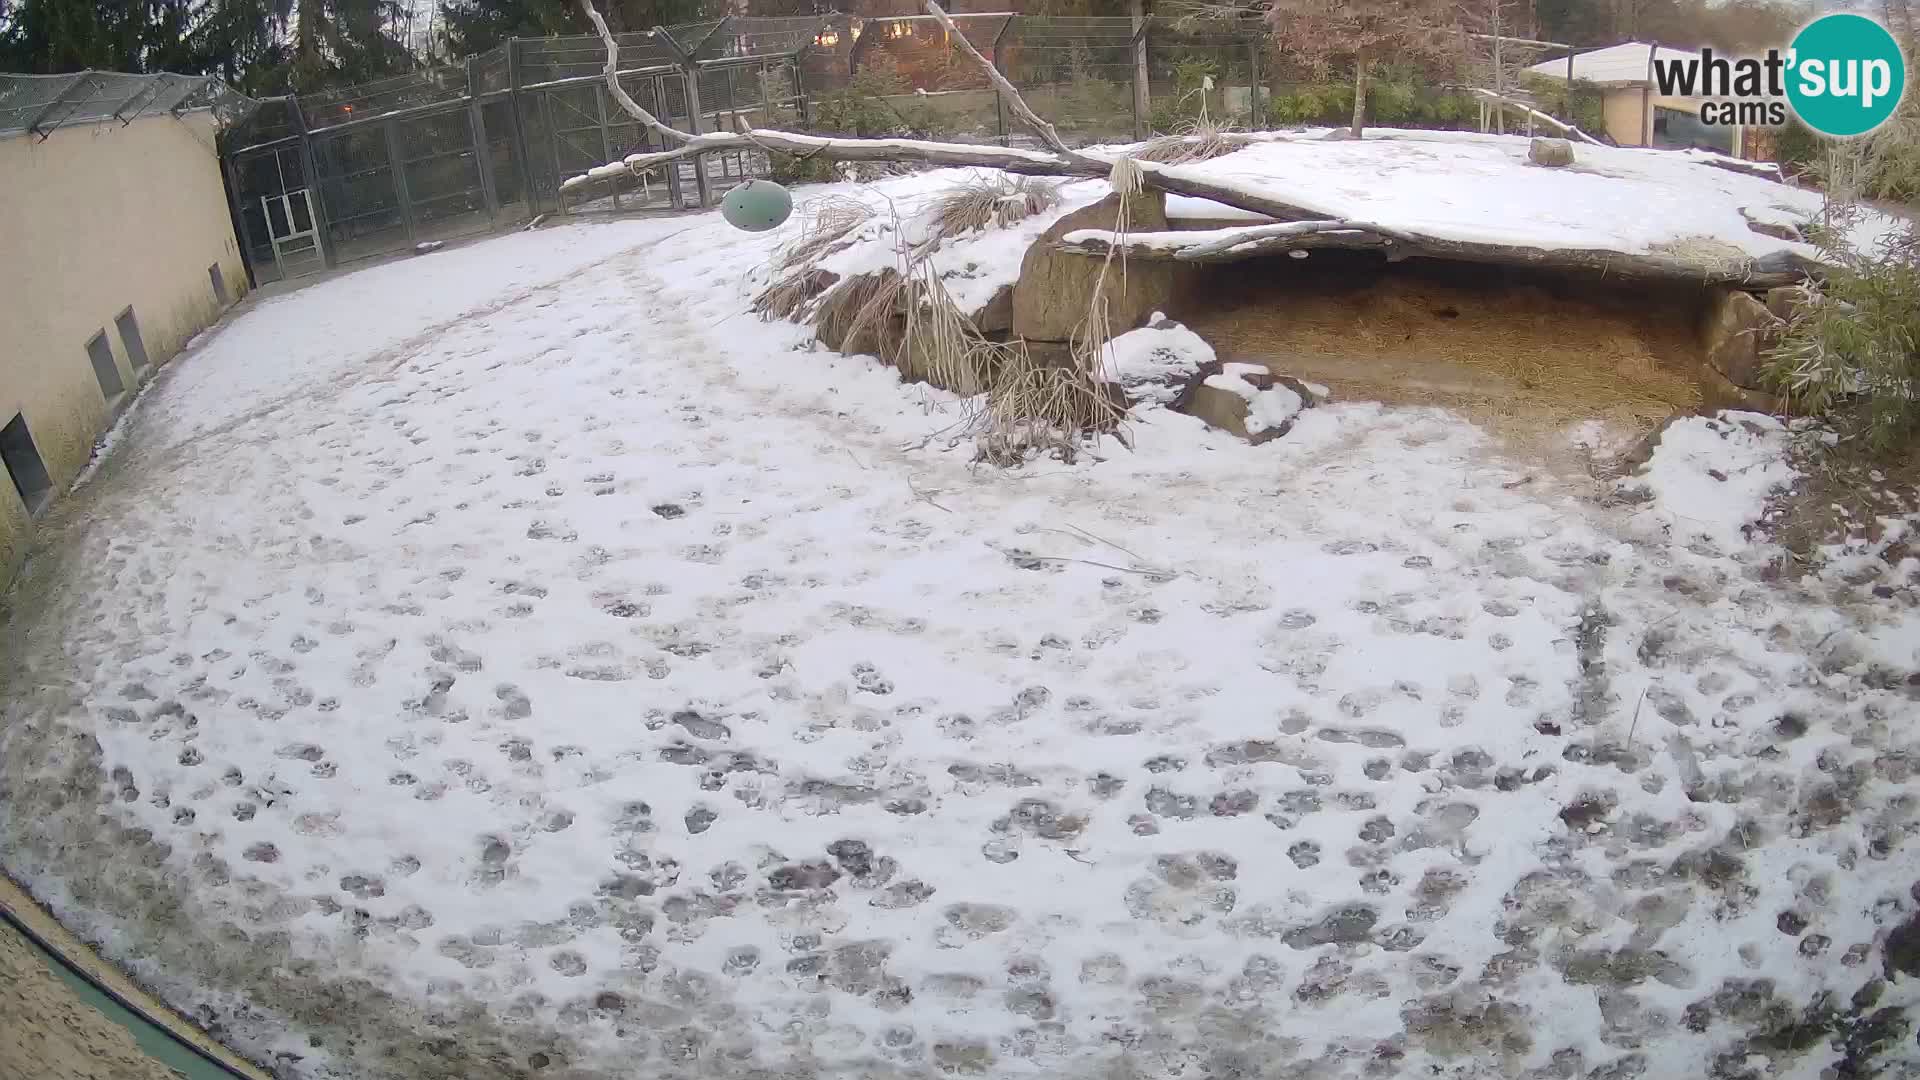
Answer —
1636 113
119 248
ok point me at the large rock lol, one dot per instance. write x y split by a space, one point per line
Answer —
1055 287
1735 333
1786 301
1246 400
1553 153
997 316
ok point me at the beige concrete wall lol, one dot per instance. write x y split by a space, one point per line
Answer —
93 219
1627 116
1625 108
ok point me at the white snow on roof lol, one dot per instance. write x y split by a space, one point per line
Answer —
1624 63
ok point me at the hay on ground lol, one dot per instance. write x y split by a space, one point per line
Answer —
1443 335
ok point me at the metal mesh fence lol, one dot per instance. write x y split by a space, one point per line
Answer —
1078 74
550 60
40 104
400 92
387 165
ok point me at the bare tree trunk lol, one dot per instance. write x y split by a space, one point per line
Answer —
1499 74
306 31
1359 95
1142 103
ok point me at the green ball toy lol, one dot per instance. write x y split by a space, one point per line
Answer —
756 206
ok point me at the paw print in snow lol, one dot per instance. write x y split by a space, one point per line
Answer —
869 681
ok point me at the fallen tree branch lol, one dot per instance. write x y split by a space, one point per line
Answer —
1010 159
1527 110
667 132
1255 241
1016 104
1766 170
1060 161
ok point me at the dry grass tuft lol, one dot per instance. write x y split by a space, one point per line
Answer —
1033 407
798 281
1039 407
938 342
831 220
851 317
1017 402
993 199
1193 140
790 296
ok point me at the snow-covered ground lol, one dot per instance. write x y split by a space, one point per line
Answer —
520 661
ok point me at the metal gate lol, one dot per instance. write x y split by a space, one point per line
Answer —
266 179
294 232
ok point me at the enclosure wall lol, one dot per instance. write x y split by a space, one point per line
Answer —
94 219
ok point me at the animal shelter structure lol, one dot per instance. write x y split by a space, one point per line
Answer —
120 249
1634 110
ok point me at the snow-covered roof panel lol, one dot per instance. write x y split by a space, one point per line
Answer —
1616 64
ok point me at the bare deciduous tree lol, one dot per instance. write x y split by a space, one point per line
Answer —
1325 34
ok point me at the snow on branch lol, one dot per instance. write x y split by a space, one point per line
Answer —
1059 160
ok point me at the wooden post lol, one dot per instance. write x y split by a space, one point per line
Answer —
1142 103
1499 74
1254 114
1568 103
1646 101
1000 65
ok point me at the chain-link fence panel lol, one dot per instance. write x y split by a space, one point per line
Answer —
905 75
329 108
543 61
490 72
1078 75
1200 71
40 104
445 188
274 209
365 212
774 36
